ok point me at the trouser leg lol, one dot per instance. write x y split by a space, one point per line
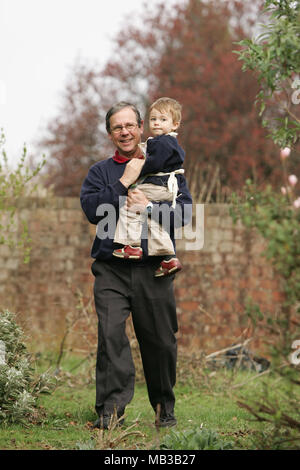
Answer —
115 372
159 241
155 323
120 289
129 228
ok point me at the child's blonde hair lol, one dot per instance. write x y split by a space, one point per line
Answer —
166 104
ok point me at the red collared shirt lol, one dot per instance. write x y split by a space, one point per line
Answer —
120 159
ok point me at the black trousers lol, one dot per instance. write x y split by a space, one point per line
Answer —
121 288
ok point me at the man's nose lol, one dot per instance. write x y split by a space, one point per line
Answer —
124 130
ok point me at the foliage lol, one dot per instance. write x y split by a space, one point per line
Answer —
19 387
276 217
76 138
278 222
220 129
275 59
14 184
195 439
184 52
274 56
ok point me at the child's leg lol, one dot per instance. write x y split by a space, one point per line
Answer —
159 241
129 228
160 244
128 233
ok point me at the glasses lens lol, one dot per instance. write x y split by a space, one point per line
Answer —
129 127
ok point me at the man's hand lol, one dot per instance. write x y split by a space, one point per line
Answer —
132 171
136 201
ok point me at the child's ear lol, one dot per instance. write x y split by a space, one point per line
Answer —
176 125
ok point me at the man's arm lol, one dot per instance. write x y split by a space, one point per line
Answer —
96 189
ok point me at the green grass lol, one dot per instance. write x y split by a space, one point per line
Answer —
67 413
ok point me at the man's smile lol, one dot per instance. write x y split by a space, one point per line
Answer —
126 141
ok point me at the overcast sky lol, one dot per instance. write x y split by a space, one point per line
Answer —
39 42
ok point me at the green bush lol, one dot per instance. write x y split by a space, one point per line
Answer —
19 387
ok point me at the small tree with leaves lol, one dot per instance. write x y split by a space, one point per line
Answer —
19 386
275 214
274 56
15 184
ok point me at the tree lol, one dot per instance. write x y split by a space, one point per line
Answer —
276 216
75 139
184 52
15 184
221 128
19 386
274 56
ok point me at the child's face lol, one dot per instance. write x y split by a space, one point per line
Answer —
161 122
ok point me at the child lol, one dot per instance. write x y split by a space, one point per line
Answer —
164 158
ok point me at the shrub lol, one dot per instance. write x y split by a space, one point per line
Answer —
19 387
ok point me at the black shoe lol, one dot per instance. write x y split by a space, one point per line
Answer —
106 421
167 420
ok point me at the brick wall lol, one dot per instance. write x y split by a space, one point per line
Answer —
211 291
217 282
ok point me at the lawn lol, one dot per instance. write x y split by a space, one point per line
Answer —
65 415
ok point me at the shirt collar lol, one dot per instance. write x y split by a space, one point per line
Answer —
120 159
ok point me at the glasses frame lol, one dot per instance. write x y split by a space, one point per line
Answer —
130 126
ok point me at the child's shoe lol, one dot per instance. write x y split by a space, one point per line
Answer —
129 252
168 267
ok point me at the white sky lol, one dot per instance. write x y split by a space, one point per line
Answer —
39 42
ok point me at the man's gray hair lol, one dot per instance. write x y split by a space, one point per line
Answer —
118 107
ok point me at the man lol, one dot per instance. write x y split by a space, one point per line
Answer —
124 287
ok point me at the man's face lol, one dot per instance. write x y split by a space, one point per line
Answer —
125 133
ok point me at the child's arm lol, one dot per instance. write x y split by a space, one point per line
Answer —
163 154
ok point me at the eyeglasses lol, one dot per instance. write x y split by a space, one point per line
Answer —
130 126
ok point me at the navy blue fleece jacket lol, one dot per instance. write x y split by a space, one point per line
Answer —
99 197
